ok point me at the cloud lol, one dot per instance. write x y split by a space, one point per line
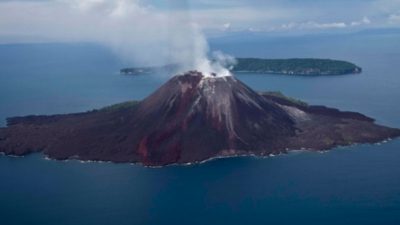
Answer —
324 25
365 21
149 31
312 25
84 17
318 25
226 26
138 32
394 18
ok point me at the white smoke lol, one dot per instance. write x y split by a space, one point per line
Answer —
225 60
217 65
196 55
139 33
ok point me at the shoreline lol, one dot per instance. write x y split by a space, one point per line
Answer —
198 163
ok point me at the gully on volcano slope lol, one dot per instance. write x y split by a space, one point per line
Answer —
191 118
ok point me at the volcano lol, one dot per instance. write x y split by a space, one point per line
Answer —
189 119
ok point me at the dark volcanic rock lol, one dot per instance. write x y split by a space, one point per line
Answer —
191 118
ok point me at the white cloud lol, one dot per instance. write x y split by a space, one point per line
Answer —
144 32
318 25
133 30
226 26
365 21
324 25
312 25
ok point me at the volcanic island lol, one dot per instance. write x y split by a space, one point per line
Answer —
190 119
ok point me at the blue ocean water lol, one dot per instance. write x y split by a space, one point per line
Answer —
357 184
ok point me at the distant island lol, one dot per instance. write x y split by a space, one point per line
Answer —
295 66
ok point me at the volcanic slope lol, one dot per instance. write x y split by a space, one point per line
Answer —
191 118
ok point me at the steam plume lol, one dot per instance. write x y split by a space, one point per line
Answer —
197 56
138 32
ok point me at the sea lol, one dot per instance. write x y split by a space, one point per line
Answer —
358 184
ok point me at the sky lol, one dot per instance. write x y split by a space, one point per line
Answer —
128 25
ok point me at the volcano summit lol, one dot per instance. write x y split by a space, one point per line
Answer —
191 118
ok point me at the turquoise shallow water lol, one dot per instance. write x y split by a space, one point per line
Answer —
357 184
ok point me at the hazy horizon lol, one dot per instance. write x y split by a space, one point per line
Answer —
143 32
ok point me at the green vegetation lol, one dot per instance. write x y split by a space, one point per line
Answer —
307 67
296 66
